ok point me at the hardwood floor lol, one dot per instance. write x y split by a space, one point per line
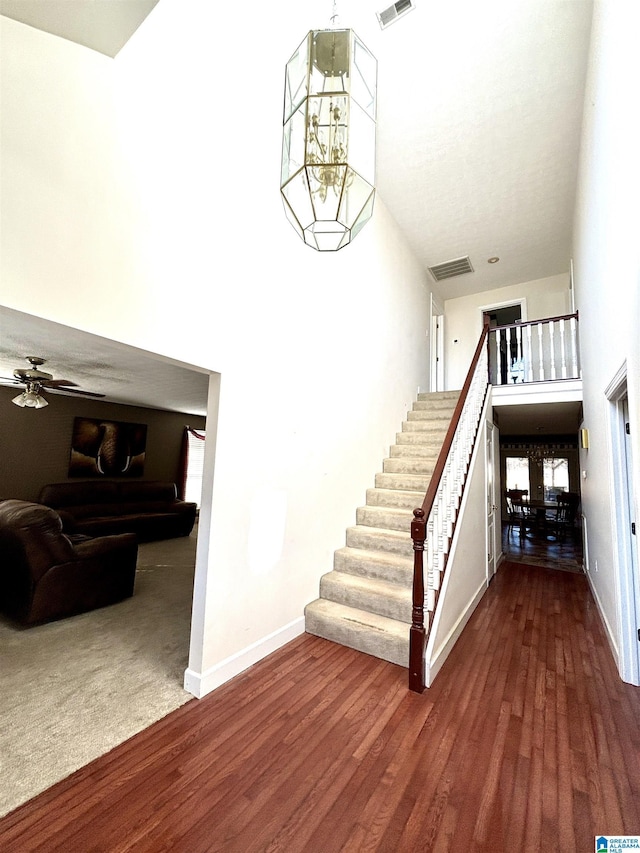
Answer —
527 741
540 551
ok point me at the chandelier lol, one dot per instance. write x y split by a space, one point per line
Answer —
538 453
328 146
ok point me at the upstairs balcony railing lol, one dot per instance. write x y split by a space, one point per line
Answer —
536 351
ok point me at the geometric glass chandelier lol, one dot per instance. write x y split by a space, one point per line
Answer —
327 180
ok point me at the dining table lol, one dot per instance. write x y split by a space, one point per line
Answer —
537 509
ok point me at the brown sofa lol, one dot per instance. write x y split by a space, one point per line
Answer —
44 575
150 509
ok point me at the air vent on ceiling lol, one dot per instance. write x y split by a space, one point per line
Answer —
397 10
449 269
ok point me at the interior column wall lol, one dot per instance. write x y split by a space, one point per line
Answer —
140 202
607 283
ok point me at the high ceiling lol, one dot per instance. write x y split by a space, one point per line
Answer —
102 25
479 118
122 373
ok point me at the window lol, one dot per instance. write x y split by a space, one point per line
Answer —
555 476
195 462
518 473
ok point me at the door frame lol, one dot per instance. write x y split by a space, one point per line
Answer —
494 514
437 345
625 547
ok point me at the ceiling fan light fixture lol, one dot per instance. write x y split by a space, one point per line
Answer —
30 399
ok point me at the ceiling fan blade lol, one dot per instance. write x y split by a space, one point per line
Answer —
66 390
45 381
60 383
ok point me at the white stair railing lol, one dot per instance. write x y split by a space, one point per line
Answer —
434 522
538 351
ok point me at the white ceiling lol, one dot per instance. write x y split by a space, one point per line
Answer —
476 156
540 419
122 373
102 25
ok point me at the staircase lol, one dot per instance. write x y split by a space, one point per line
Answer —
365 602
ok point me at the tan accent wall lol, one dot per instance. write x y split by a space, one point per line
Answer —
35 445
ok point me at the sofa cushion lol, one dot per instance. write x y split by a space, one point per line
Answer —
140 507
148 508
90 510
147 490
65 495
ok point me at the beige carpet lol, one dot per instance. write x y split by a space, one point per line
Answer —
74 689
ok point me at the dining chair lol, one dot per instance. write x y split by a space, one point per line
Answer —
517 511
565 514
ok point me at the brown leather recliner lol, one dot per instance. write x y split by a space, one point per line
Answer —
45 576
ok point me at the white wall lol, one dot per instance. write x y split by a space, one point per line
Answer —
607 277
140 201
545 297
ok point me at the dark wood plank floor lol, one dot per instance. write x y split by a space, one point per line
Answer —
527 741
536 549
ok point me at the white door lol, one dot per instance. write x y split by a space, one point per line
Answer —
490 479
437 347
625 527
632 535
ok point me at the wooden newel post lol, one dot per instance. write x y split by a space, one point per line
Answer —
417 633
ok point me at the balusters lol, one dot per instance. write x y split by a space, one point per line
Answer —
519 356
552 355
563 354
529 358
573 328
540 354
433 534
534 352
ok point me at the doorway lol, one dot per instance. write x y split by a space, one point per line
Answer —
625 537
505 348
437 346
493 506
544 471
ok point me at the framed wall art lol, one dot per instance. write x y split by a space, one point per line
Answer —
102 448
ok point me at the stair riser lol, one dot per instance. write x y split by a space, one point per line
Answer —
396 499
420 437
357 562
408 466
423 426
380 645
405 482
438 395
384 518
332 588
435 417
415 451
434 406
369 540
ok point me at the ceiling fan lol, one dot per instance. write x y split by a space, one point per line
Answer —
36 381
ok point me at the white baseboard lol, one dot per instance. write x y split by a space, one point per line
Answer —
199 684
434 665
607 627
